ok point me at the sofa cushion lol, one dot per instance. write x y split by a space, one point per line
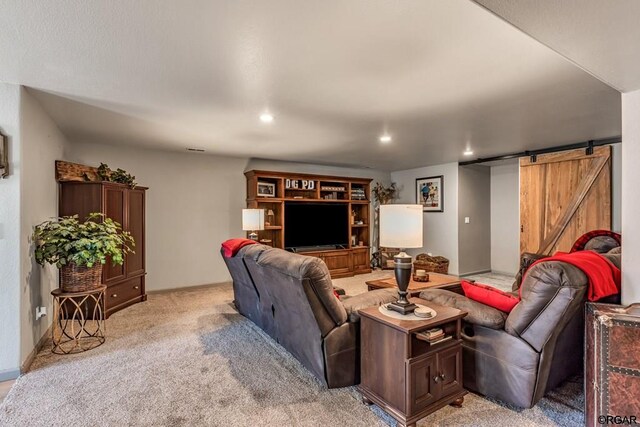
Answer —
479 314
490 296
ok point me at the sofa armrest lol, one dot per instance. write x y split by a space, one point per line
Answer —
366 300
479 314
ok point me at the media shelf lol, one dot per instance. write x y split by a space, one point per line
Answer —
270 190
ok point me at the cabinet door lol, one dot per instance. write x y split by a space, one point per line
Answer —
135 225
424 386
114 204
450 370
360 259
338 262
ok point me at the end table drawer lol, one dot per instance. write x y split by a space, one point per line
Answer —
123 292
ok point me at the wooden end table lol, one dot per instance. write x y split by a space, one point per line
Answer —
407 377
436 281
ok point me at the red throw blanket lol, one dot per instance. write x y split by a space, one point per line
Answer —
232 246
604 277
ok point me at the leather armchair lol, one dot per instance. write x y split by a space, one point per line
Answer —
518 357
291 297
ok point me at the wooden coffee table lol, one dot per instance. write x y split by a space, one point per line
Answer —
436 281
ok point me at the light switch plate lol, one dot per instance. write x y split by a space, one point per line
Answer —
467 220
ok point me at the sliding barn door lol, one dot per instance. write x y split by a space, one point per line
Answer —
562 196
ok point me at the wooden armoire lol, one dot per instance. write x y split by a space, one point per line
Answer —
125 283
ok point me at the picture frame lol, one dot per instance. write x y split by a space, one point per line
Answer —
266 189
430 193
4 156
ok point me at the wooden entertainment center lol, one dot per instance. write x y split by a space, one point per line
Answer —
271 190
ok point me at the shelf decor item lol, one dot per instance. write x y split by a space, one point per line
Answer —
253 220
266 189
119 176
430 193
401 227
80 249
270 216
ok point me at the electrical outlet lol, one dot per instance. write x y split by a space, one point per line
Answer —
40 312
467 220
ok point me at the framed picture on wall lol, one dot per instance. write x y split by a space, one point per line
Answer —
430 193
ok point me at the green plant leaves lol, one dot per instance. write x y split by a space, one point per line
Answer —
65 240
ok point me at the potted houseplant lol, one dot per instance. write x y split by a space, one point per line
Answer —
79 249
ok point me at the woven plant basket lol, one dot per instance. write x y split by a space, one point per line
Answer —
434 264
74 278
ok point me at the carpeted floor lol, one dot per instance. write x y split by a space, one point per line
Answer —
187 358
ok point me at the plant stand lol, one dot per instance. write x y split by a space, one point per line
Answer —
78 320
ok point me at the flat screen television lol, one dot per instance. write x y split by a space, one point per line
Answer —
309 224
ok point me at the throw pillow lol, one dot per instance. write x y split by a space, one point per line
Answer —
490 296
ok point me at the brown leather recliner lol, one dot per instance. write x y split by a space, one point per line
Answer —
518 357
291 297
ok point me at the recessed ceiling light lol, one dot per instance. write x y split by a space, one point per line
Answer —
385 139
266 117
468 152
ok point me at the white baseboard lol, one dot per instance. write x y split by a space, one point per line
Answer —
475 272
9 374
26 365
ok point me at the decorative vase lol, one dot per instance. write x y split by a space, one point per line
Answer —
75 278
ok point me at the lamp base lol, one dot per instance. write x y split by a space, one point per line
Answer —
402 264
402 307
253 236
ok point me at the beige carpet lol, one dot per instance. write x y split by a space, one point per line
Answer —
188 359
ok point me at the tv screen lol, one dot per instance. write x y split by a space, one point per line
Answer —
315 224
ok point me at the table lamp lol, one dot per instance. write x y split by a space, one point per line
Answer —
401 227
252 220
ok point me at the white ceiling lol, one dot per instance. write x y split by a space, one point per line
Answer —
438 75
601 36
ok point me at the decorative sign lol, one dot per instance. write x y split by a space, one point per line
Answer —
300 184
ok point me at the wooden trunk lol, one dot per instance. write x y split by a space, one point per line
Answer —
562 196
612 363
125 283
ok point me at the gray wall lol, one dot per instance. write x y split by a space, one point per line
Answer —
440 229
630 200
505 217
194 203
10 236
474 202
42 144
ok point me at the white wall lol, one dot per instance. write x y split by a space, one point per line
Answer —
10 236
505 217
440 229
42 144
630 199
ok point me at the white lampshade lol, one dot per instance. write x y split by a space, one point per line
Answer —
252 219
401 226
